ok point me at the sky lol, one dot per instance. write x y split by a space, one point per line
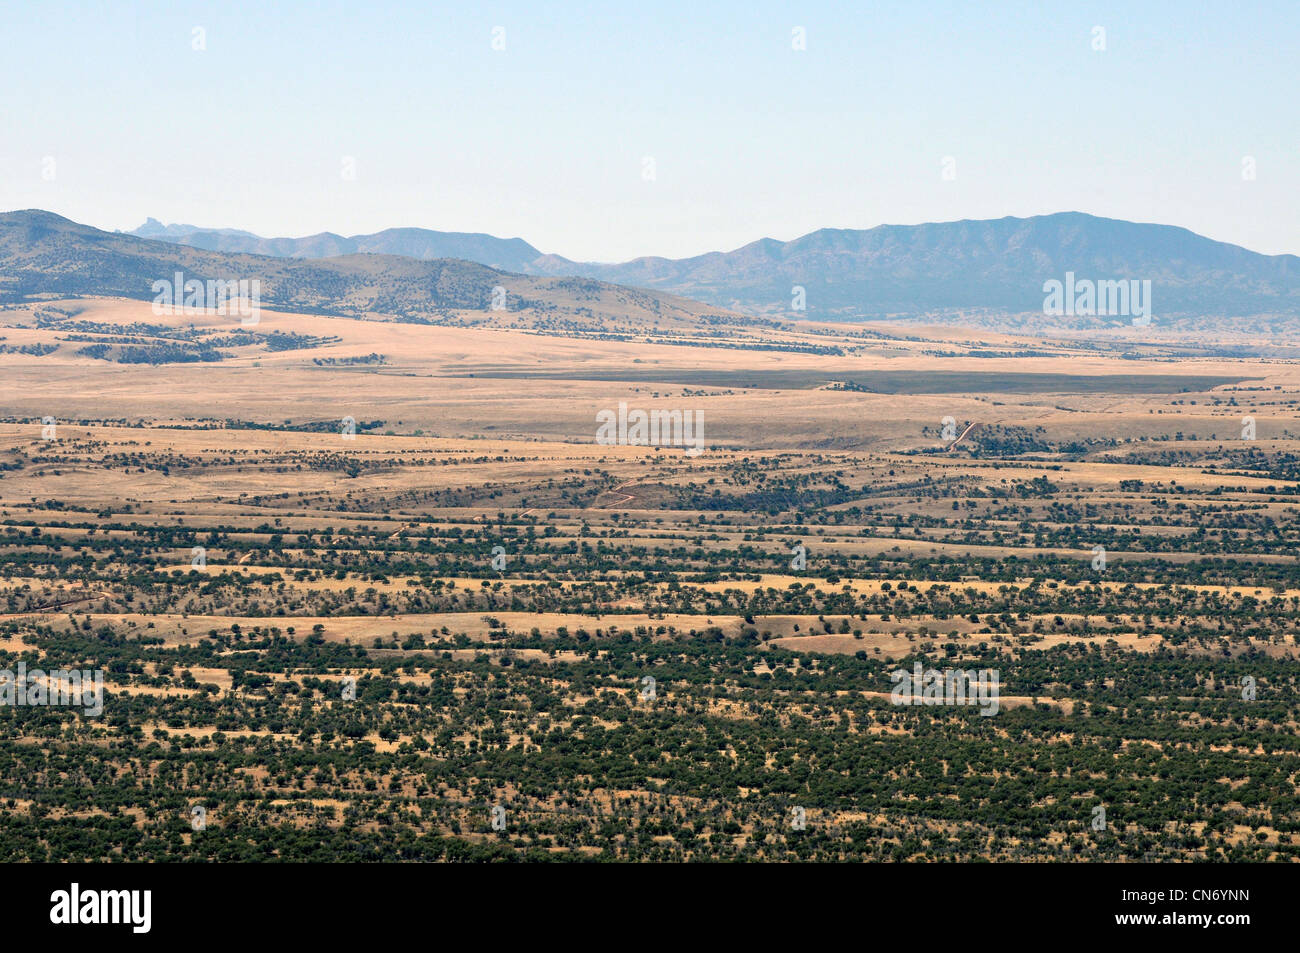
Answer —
608 131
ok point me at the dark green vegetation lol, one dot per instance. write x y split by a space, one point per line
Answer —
523 687
711 768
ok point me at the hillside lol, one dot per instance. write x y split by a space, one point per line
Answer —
45 254
892 270
999 264
512 254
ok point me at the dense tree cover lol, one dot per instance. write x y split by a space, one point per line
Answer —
1122 686
737 736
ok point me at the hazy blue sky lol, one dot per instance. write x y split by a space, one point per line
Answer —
546 139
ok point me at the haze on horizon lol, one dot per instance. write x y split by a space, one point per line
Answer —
404 114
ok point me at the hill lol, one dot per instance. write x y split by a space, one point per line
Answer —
998 264
508 254
45 254
890 271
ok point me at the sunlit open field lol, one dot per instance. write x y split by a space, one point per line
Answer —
642 652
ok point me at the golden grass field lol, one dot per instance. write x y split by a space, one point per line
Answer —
478 436
513 433
424 384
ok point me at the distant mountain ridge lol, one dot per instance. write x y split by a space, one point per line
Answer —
887 271
507 254
42 253
995 264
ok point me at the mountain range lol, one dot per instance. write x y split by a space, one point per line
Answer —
42 253
507 254
887 271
